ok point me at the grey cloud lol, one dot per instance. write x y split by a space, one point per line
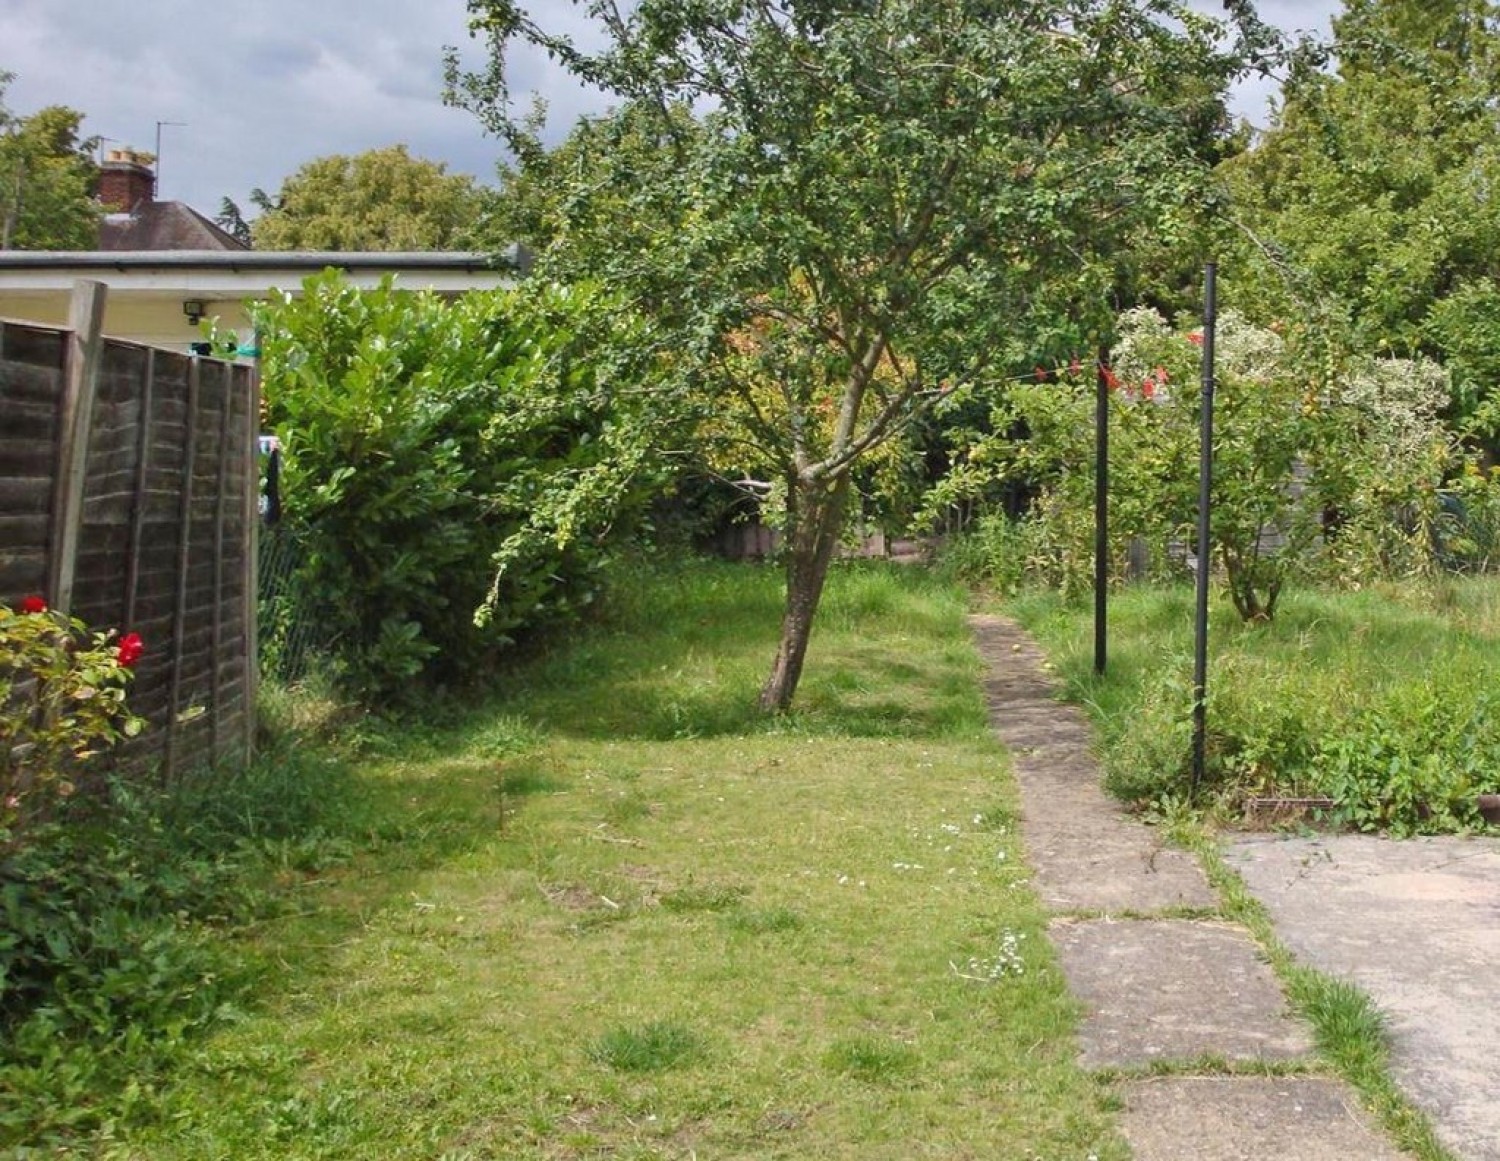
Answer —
267 85
275 58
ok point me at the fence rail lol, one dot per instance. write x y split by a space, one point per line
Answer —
128 492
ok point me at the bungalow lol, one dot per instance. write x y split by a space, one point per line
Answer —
168 268
160 297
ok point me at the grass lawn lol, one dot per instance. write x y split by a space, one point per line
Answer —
618 915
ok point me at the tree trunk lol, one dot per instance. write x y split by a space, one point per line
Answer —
13 211
816 511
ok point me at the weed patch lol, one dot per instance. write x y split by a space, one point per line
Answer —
871 1060
766 921
704 898
653 1047
119 945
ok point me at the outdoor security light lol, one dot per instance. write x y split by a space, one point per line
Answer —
193 308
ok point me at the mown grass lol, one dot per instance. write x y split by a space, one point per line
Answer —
1381 700
618 914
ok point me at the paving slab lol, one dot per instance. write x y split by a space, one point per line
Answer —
1174 990
1086 853
1249 1118
1416 925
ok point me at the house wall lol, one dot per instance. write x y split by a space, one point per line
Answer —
156 322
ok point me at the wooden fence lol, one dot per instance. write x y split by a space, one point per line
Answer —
752 540
128 493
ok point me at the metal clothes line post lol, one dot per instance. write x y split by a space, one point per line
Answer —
1101 513
1204 545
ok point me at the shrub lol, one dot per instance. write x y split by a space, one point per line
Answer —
447 458
62 701
1317 470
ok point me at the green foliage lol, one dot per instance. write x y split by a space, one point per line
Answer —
872 1060
47 176
443 458
382 199
1338 477
1415 762
231 220
113 923
878 201
1466 533
653 1047
62 702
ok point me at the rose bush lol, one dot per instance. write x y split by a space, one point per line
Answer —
62 702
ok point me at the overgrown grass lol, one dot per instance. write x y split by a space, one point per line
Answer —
617 914
120 920
1382 700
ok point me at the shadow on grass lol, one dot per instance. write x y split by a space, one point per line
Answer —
683 654
680 651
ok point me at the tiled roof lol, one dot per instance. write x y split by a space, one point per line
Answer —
164 226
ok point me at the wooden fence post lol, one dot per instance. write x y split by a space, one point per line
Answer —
139 497
184 558
86 324
252 550
226 452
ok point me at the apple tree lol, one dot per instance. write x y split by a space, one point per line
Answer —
850 208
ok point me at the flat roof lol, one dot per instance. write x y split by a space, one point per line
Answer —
239 274
514 259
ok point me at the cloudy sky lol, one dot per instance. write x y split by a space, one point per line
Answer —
263 86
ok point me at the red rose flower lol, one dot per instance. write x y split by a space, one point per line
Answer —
129 651
1111 380
1196 338
33 604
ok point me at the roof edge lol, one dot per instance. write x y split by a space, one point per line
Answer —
515 258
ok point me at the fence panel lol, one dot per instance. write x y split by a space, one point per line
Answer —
127 497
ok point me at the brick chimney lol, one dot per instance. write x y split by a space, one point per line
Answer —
126 180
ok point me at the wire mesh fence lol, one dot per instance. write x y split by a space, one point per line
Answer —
290 641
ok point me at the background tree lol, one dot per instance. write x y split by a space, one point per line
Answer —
1370 198
878 201
232 221
383 199
47 179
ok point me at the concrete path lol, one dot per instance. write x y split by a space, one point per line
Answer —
1087 855
1416 926
1163 980
1175 989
